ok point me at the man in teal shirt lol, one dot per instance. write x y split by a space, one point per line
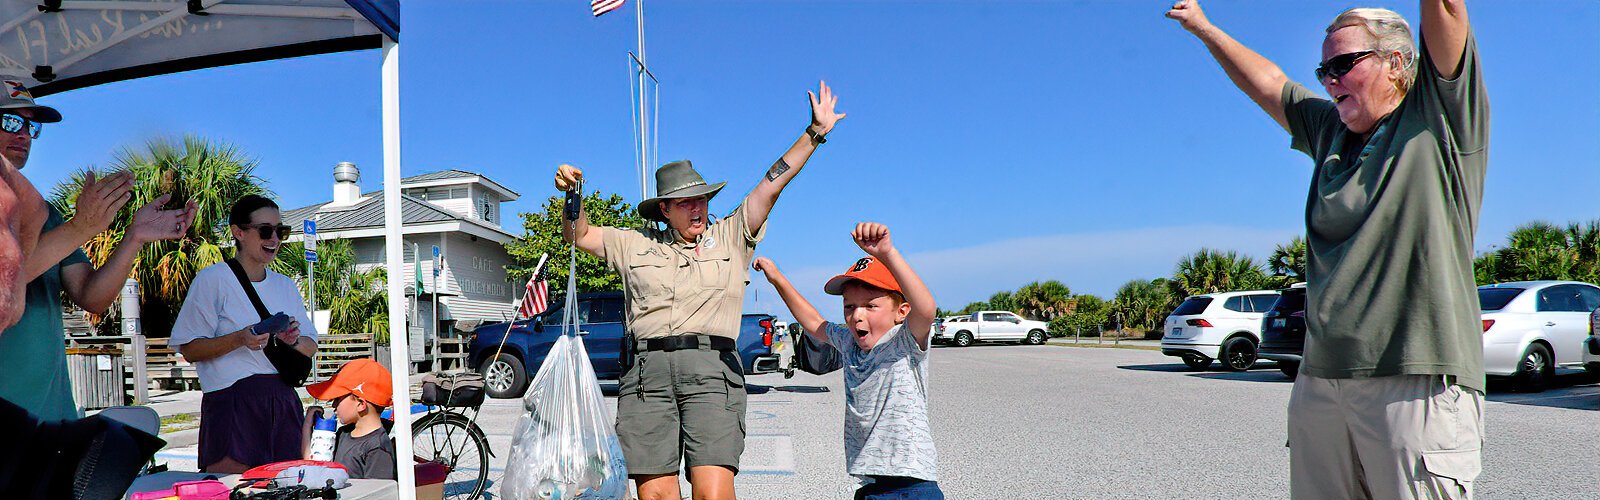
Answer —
32 350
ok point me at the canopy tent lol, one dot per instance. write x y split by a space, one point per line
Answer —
54 46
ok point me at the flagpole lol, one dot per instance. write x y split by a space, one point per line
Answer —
644 132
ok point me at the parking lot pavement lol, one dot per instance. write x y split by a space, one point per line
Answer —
1053 422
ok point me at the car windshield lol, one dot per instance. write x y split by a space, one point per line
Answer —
1495 299
1291 300
1192 306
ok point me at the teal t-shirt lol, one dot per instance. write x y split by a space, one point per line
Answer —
33 352
1390 224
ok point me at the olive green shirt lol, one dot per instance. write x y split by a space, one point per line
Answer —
676 288
1390 223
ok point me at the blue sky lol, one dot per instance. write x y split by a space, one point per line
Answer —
1002 142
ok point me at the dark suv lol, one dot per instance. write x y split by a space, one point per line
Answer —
1283 330
600 319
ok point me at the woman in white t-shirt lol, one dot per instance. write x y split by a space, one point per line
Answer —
248 416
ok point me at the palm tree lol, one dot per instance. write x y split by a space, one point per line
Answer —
1141 305
356 300
1044 301
1288 261
214 175
1212 271
1002 301
1089 315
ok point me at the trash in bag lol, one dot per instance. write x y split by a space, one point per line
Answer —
565 446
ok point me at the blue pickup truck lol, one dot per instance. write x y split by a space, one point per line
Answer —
600 319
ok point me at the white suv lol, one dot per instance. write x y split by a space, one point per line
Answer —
1222 326
1532 327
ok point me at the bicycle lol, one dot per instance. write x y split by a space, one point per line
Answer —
444 430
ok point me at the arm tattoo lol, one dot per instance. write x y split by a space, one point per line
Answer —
777 170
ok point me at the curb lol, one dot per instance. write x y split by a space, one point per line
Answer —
180 439
1106 346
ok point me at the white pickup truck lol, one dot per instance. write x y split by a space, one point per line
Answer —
989 326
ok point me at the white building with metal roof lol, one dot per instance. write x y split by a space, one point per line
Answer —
456 210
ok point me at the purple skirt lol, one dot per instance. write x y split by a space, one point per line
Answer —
256 421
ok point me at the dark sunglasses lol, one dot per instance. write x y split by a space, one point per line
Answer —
13 123
265 230
1337 66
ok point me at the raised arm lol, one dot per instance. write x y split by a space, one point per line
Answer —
874 239
1445 28
97 206
587 238
1258 77
758 204
803 312
94 289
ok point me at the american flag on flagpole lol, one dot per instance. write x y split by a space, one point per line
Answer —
536 294
604 6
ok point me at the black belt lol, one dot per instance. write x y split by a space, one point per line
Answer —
678 342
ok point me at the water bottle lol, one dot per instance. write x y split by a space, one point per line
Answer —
323 436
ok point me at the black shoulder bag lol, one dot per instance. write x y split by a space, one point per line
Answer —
293 366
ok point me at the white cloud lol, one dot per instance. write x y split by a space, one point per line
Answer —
1095 263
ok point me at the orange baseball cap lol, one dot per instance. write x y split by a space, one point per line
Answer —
363 377
869 271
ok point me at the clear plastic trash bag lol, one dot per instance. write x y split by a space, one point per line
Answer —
565 446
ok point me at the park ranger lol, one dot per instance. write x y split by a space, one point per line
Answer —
681 398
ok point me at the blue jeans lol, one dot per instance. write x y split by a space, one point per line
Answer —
899 488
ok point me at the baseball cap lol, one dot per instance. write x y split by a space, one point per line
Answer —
15 95
869 271
363 377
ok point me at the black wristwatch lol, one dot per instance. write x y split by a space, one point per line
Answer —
817 139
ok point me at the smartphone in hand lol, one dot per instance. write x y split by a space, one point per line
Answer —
172 182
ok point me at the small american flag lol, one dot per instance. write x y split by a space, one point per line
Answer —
604 6
535 295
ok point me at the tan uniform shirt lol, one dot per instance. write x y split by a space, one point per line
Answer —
676 288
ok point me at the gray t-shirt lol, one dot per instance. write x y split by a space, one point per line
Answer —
1389 225
366 457
886 430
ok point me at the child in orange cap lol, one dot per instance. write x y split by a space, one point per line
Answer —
888 316
359 392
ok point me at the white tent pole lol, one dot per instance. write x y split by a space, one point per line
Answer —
399 351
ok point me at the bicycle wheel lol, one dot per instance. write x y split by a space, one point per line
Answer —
452 440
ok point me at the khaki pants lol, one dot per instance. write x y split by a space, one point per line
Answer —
1399 437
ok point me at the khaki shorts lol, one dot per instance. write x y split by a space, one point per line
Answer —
686 404
1399 437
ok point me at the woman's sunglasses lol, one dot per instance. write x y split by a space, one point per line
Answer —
13 123
265 230
1337 66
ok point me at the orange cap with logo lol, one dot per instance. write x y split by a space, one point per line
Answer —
364 378
869 271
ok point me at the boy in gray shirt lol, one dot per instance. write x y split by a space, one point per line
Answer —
888 315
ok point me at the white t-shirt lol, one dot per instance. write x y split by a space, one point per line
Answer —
217 306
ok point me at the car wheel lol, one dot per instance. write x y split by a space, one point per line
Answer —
1036 337
963 339
504 377
1238 354
1592 368
1196 361
1290 369
1535 369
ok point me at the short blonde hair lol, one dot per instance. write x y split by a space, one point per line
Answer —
1390 34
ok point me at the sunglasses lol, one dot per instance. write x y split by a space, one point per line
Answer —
13 123
266 230
1337 66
